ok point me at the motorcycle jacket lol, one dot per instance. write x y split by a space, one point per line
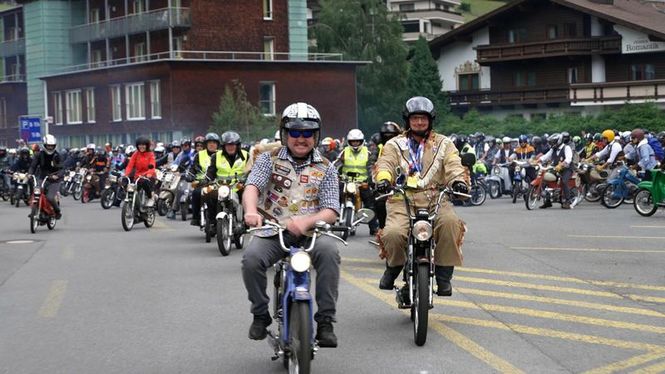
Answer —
99 163
139 164
21 165
356 162
524 153
45 164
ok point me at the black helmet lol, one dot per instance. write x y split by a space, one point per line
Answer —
212 137
24 151
389 130
231 137
375 138
142 140
536 140
199 140
588 137
419 105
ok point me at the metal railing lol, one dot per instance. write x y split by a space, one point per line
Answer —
15 78
547 48
209 56
516 96
617 92
13 47
153 20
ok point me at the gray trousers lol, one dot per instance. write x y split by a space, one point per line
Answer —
261 253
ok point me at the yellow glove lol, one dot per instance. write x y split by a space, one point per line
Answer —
384 175
558 168
599 167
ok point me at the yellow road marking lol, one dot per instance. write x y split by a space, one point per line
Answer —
538 313
522 329
653 369
453 336
627 363
589 249
53 299
616 237
651 299
534 276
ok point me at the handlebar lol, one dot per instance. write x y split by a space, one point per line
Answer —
320 229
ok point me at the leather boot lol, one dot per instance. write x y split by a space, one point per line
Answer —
387 281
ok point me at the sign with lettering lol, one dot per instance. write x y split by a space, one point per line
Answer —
30 129
636 42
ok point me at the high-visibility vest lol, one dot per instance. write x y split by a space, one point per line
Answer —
356 162
380 149
225 170
204 162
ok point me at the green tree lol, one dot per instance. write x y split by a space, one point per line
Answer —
364 30
238 114
424 78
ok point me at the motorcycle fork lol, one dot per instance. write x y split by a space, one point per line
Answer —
296 288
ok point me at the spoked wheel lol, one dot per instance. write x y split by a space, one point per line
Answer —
420 305
578 195
108 196
51 223
495 189
183 211
149 218
591 193
608 200
348 217
644 204
127 216
239 241
478 195
78 191
300 333
63 189
532 197
223 237
162 207
34 219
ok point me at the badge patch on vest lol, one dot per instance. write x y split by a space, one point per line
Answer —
317 174
267 204
282 170
273 197
281 181
277 211
283 202
304 179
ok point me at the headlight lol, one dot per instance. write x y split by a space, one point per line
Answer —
174 168
518 168
72 173
351 188
113 178
422 230
37 190
300 262
131 187
224 192
496 170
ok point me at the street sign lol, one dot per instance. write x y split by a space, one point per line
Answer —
30 129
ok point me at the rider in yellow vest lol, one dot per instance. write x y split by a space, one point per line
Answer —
229 162
388 131
199 167
355 158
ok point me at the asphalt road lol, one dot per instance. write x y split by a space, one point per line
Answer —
541 291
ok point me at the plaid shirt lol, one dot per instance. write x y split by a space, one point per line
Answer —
328 190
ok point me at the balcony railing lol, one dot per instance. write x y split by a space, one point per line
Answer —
549 48
509 97
16 78
609 93
212 56
154 20
11 48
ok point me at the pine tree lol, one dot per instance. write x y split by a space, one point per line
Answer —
238 114
424 78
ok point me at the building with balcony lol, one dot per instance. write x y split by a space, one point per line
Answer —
12 68
429 18
116 69
539 57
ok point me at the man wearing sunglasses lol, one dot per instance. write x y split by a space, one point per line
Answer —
297 187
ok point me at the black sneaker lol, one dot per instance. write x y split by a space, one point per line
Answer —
325 334
258 331
387 281
443 287
546 205
58 215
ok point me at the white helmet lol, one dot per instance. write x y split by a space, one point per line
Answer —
300 116
160 148
48 141
506 139
355 134
130 149
91 146
277 136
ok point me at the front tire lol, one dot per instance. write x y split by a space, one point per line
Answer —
348 213
223 237
478 195
51 223
608 200
495 189
127 217
149 218
78 191
532 198
421 305
183 211
644 204
107 198
34 218
300 333
591 193
517 189
162 207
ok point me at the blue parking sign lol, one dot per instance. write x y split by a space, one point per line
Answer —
30 129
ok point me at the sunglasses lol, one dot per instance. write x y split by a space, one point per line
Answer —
304 133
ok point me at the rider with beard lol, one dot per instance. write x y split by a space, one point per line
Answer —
199 167
431 161
48 165
313 195
230 162
561 157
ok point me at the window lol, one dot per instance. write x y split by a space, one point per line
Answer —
90 105
96 58
139 52
268 48
409 7
524 79
116 103
57 104
155 100
517 36
267 98
177 45
3 113
570 30
135 101
468 82
641 72
411 26
572 75
94 15
267 9
552 31
138 6
73 107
